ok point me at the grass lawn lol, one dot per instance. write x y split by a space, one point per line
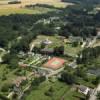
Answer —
4 71
72 50
56 41
60 90
10 76
15 11
88 84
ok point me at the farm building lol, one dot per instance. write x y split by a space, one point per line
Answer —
75 39
47 51
21 64
47 42
54 63
98 34
19 80
85 90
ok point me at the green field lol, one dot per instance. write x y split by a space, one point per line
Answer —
6 75
57 41
60 90
15 11
36 10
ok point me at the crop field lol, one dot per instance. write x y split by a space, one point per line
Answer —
56 3
6 9
38 10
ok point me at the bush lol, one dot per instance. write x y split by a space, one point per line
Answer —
2 97
68 78
6 87
50 92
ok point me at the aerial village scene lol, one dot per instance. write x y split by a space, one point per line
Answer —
49 50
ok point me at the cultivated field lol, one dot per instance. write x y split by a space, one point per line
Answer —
57 3
6 9
36 10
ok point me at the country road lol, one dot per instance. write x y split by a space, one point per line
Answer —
93 95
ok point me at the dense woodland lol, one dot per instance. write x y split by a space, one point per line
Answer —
76 22
83 1
88 54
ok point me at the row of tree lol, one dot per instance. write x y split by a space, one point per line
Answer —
88 54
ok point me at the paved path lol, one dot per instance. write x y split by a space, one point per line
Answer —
93 96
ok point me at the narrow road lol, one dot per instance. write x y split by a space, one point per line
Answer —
93 95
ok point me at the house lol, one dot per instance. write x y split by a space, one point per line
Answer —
67 41
95 72
47 42
54 63
84 90
21 64
47 51
30 54
75 39
19 80
57 28
73 64
21 54
54 18
43 72
98 34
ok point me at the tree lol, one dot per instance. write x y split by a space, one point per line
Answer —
36 82
11 59
36 49
98 95
88 54
50 92
13 63
75 44
97 80
59 50
68 78
80 72
2 97
7 87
